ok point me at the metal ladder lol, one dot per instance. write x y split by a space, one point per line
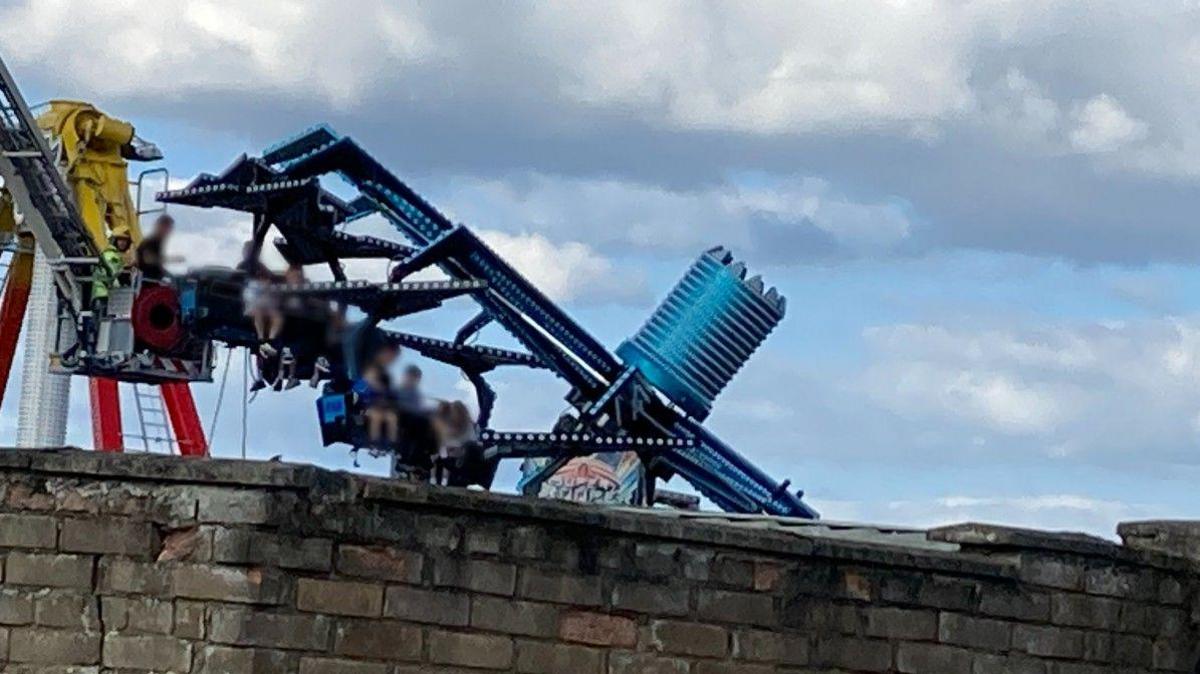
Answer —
153 420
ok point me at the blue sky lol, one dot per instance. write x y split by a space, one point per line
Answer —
981 213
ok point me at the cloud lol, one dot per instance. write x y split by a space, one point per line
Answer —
780 220
565 272
1104 126
1053 129
1046 392
1055 511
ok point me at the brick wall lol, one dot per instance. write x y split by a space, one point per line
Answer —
140 564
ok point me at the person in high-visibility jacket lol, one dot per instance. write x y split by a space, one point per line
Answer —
105 276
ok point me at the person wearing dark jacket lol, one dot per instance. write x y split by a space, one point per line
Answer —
149 255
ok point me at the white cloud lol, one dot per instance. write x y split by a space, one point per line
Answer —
1102 125
1051 392
564 272
782 220
1062 511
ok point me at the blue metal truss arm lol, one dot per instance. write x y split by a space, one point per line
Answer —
729 479
510 298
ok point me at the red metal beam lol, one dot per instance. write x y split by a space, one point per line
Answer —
12 307
106 415
185 421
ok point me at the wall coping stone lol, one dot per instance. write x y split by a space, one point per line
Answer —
961 549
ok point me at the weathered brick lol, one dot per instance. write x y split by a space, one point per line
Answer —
915 658
53 647
733 571
470 650
758 645
686 638
70 571
16 607
983 633
153 652
900 623
477 575
338 597
238 506
537 657
1015 604
1010 663
399 566
1117 582
309 665
768 576
189 619
438 534
227 583
819 616
597 629
560 588
495 614
1078 610
743 608
27 531
427 606
125 576
377 640
625 662
915 589
226 660
191 544
484 541
109 536
248 627
243 546
1063 574
710 667
1056 642
66 608
652 599
867 655
1171 655
527 542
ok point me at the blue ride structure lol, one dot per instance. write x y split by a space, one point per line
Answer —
650 397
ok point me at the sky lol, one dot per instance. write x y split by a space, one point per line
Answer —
981 212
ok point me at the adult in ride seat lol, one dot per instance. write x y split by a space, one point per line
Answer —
149 256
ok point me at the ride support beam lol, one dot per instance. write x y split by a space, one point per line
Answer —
12 306
107 435
185 420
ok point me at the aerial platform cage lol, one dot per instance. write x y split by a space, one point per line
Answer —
704 332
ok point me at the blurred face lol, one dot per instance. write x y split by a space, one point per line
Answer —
412 379
294 275
121 243
388 356
164 226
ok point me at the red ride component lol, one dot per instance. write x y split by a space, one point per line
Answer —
156 318
12 308
185 421
106 415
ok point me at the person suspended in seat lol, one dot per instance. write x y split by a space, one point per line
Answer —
408 395
262 307
456 432
150 258
375 396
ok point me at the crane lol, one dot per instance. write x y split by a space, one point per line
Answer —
70 195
